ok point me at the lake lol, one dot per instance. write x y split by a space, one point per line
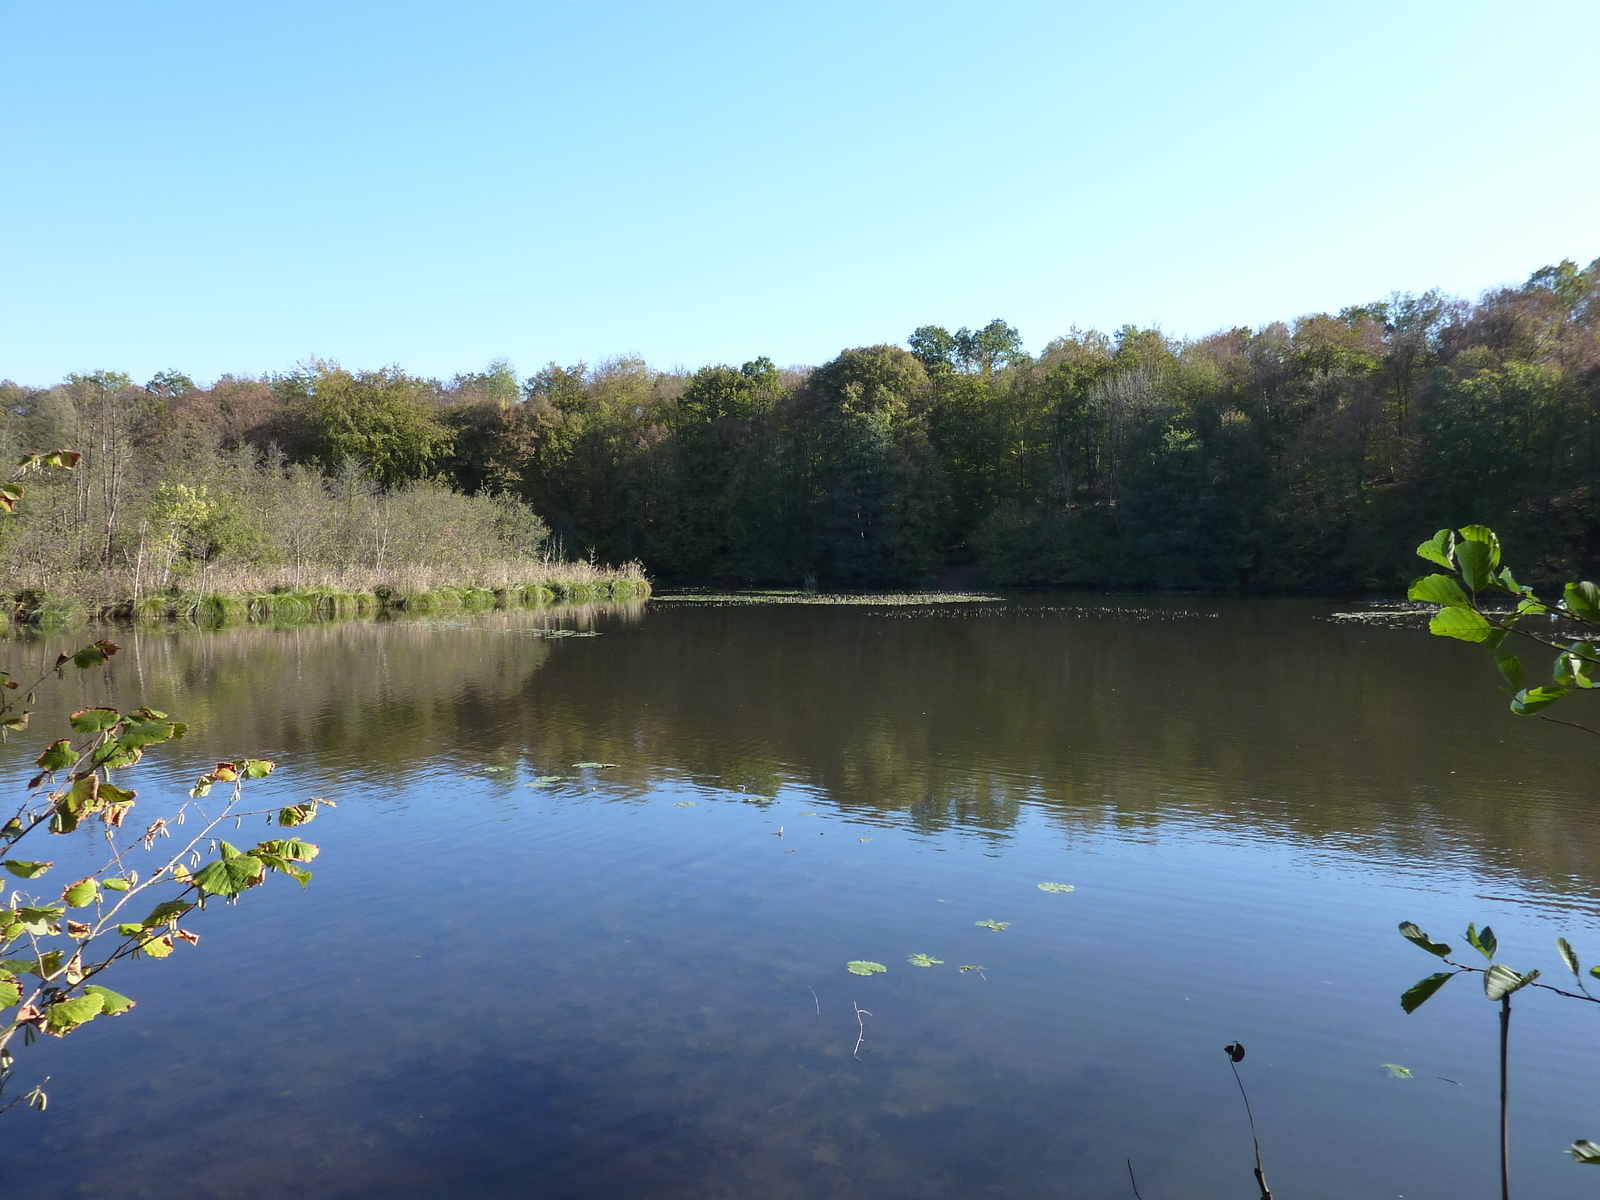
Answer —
515 976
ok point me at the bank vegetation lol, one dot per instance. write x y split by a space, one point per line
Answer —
1299 455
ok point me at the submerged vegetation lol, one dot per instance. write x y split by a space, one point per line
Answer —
1297 455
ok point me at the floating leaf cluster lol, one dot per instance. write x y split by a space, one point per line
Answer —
828 599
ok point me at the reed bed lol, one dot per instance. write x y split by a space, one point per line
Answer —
233 593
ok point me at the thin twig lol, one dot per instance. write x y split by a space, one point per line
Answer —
861 1036
1505 1135
1568 724
1261 1179
1133 1181
813 992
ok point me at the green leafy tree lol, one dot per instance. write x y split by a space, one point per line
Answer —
384 419
878 482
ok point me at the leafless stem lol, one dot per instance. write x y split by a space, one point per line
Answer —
1261 1179
1568 724
1133 1181
861 1035
813 992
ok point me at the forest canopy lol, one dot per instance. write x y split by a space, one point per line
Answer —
1301 455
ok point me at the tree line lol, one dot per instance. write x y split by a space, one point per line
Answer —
1301 455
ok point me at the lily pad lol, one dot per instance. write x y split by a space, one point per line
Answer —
684 804
594 766
859 967
810 814
542 781
997 926
1056 887
1396 1071
922 960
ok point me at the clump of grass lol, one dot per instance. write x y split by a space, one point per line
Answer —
238 592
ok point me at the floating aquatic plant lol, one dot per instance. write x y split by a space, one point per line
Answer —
1055 887
997 926
922 960
859 967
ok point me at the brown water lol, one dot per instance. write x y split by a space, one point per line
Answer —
631 981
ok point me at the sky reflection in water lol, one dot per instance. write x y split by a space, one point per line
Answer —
631 981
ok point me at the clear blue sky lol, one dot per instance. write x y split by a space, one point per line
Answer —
234 187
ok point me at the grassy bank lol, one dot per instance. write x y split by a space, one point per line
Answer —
251 594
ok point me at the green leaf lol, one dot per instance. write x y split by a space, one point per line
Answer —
82 893
1417 938
1575 669
997 926
1476 562
1500 980
291 848
1396 1071
1531 700
229 876
157 947
56 756
169 910
256 768
1437 549
115 885
110 793
858 967
298 814
922 960
1569 956
1585 1151
38 920
1462 623
10 989
1055 887
114 1004
1583 600
1482 535
1510 670
1439 589
62 1017
127 930
26 870
93 720
1484 943
136 735
1418 993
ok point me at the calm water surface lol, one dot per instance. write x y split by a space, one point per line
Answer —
631 981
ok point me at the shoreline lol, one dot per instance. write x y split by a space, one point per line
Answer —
60 606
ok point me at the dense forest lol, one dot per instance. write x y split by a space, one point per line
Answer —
1310 455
